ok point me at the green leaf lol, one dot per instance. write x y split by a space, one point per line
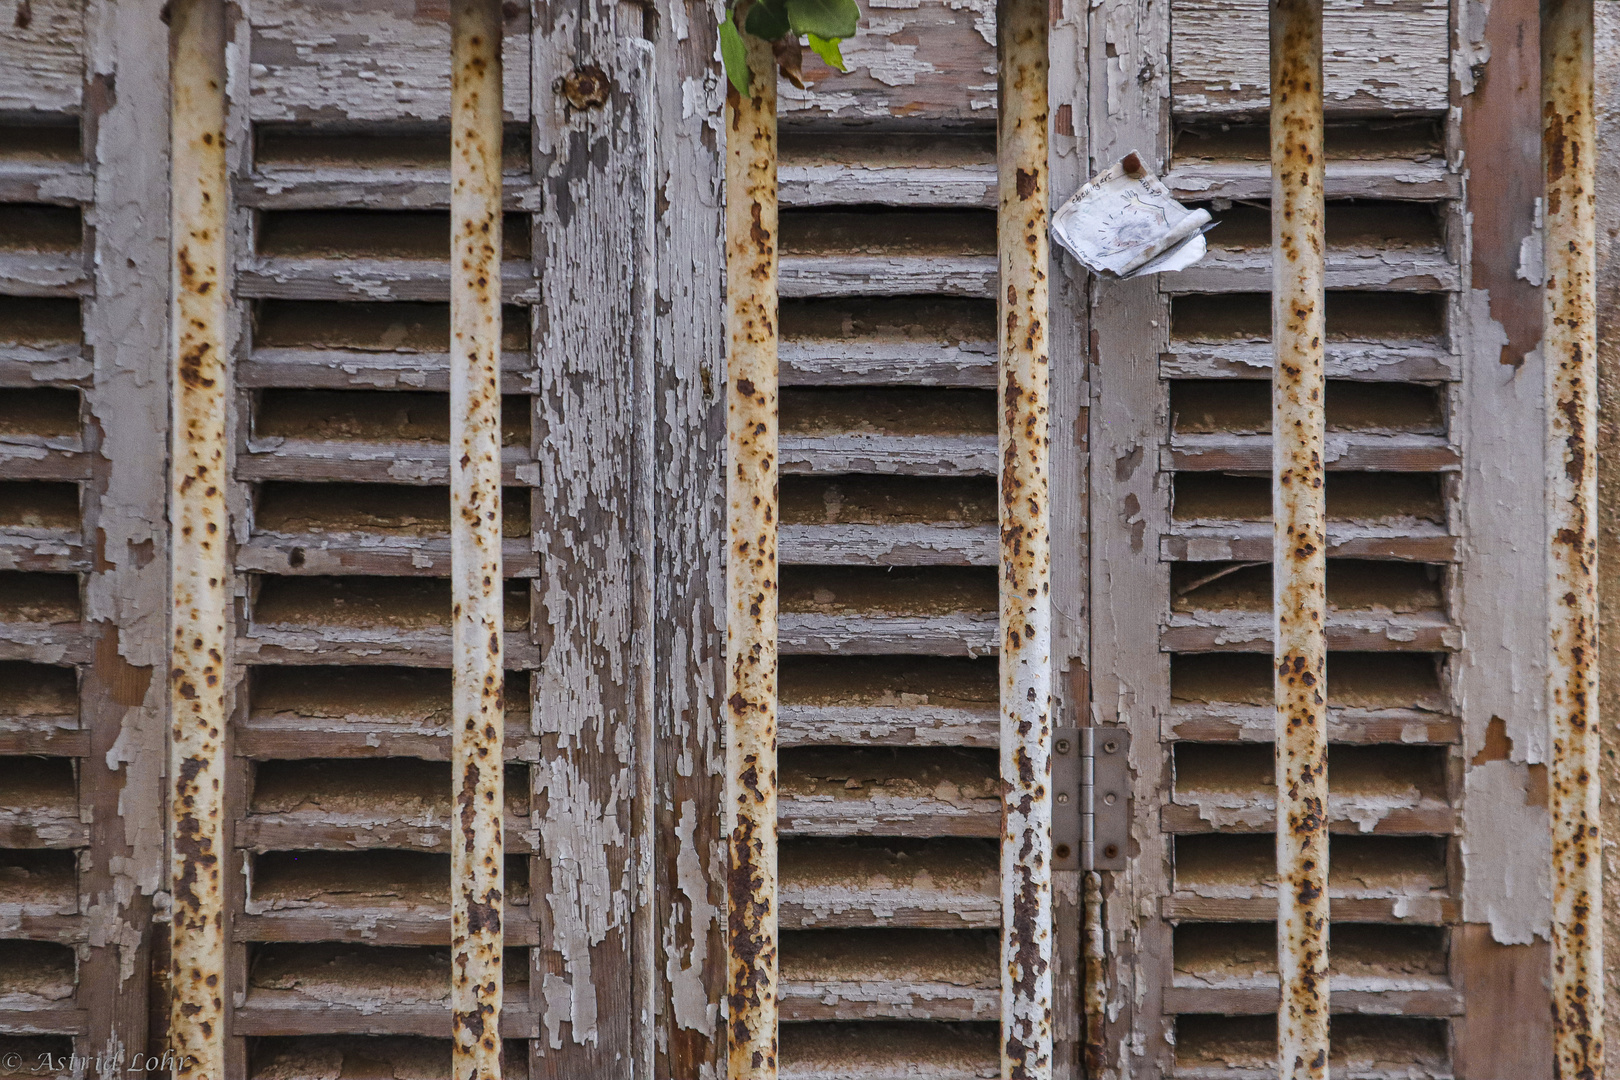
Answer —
734 54
828 50
767 20
830 20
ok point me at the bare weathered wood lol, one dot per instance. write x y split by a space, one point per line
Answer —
1198 180
1377 56
42 56
343 369
959 634
925 455
377 60
689 556
327 553
274 187
274 277
1357 452
1253 723
871 275
1251 1001
1250 271
1368 361
1128 60
1210 542
945 544
1420 909
311 460
934 61
593 338
1228 631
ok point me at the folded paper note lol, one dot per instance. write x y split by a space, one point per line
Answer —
1125 223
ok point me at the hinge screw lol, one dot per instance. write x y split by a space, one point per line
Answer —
1063 798
1063 746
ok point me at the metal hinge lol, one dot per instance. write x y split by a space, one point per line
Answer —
1091 797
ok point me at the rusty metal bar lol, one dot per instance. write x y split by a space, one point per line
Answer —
1299 514
1024 382
1569 346
477 856
200 573
751 574
1094 1004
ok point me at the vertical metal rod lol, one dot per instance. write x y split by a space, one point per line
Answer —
199 571
477 855
751 568
1024 383
1095 1001
1569 346
1299 512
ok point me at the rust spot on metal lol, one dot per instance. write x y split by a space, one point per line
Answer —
586 87
199 571
477 863
1025 550
1299 536
751 573
1569 349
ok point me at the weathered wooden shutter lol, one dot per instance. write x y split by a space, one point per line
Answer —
1435 562
890 788
83 281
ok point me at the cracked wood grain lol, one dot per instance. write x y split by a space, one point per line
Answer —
592 333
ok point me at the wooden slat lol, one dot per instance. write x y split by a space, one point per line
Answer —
1346 452
1429 818
48 738
42 459
1352 361
290 741
282 278
962 634
1257 723
328 553
1348 631
61 553
44 365
869 275
372 927
399 188
343 369
1248 271
43 274
42 58
844 184
326 831
1252 542
63 644
53 183
60 1020
39 828
279 1013
377 60
886 725
1259 1001
62 929
840 362
905 455
922 817
1421 910
1377 55
936 63
889 545
312 460
1395 178
826 999
343 645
